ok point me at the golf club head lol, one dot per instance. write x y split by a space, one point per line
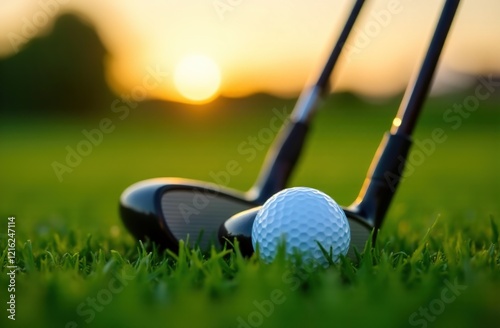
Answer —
166 210
239 227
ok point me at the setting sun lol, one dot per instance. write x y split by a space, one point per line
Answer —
197 78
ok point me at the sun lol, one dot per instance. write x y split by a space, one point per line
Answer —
197 78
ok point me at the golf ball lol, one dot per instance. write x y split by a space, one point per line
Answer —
301 218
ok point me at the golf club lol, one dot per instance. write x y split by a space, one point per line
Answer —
368 210
166 210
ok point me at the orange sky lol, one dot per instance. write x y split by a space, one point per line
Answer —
271 46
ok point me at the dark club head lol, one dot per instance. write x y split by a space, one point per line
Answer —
166 210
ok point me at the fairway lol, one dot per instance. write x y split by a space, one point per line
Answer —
436 263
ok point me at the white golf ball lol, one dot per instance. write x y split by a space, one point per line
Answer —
301 217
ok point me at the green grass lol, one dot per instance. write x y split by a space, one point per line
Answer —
441 229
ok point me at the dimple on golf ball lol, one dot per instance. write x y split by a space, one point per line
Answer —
301 218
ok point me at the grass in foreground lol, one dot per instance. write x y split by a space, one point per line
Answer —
443 279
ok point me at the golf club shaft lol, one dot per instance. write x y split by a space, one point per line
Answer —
308 99
387 167
413 100
285 151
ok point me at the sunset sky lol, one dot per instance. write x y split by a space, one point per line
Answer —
238 47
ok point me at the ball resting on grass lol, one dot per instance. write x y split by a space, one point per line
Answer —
303 218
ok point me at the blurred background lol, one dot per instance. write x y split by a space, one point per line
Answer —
213 48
